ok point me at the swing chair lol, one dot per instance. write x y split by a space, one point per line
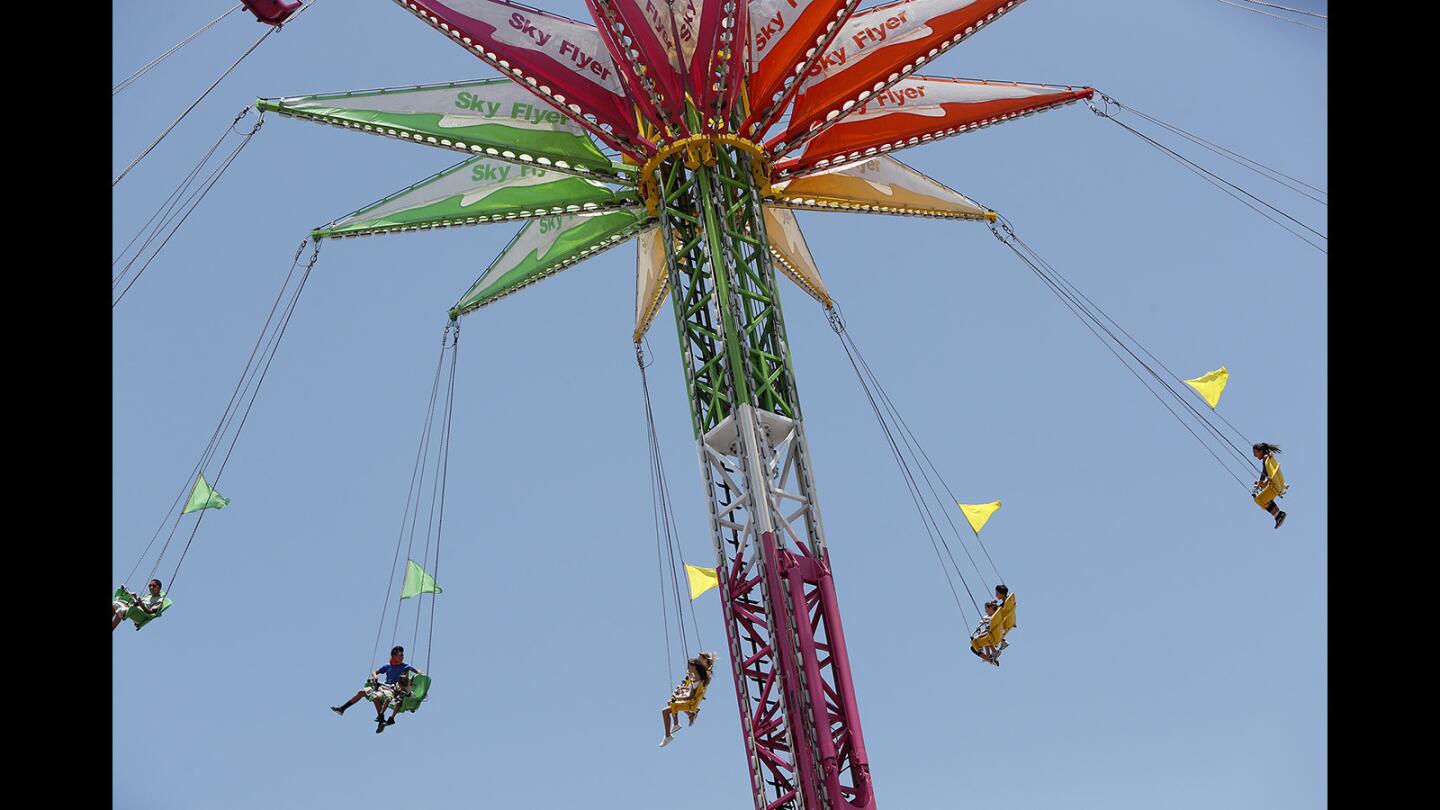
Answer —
1274 486
1001 622
135 614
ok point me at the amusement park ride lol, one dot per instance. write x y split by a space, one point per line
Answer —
697 128
724 115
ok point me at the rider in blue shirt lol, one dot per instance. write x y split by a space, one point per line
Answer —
384 692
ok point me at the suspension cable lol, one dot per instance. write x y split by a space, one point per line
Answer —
414 513
910 445
147 150
1277 16
225 419
172 208
1288 8
932 526
1176 390
444 481
915 445
270 30
1217 181
173 199
410 492
659 526
254 392
666 530
434 495
1256 166
1004 234
128 80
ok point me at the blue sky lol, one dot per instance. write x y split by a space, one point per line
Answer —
1171 649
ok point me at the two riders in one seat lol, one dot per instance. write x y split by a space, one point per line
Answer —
391 692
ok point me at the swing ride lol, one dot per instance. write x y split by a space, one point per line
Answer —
696 128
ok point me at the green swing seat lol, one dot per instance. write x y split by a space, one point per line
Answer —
419 688
135 614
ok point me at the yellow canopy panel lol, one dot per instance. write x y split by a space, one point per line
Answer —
792 255
880 185
651 280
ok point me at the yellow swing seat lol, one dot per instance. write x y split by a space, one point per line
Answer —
1275 485
1001 622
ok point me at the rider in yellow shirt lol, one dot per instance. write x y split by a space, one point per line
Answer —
1272 482
687 696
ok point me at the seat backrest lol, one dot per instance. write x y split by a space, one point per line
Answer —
1272 471
141 618
419 688
1005 615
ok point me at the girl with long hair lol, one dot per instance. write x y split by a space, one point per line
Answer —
1272 482
687 696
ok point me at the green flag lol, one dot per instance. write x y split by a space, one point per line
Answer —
204 496
417 581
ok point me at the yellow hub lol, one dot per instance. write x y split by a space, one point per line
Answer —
699 150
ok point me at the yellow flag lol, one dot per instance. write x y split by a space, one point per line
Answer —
701 579
978 513
1210 385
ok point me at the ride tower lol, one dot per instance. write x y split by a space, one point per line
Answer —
798 712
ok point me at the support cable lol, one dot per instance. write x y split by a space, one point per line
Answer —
168 206
1288 8
1063 287
419 491
410 493
1178 390
1277 16
932 528
269 30
129 80
910 445
905 428
254 392
1091 323
225 419
1218 181
665 529
444 482
1256 166
193 202
147 150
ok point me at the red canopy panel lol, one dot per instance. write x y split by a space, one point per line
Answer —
921 109
718 72
561 60
877 47
640 37
679 48
785 37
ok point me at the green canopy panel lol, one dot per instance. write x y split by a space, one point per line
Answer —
493 117
476 191
546 246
